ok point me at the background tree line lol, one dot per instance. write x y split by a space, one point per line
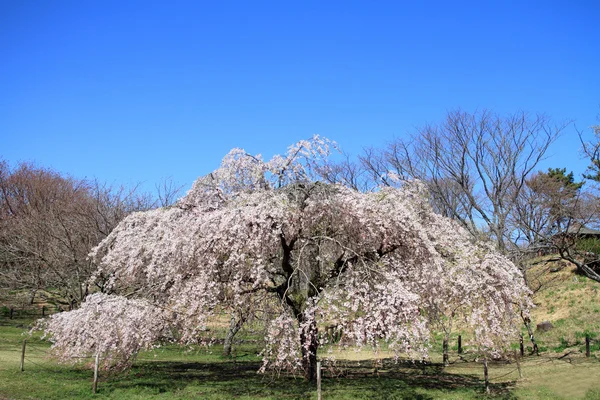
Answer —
49 222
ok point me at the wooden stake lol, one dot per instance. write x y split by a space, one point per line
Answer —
587 345
521 346
518 364
460 350
23 355
96 363
319 396
485 375
445 351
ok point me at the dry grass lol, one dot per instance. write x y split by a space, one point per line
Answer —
569 301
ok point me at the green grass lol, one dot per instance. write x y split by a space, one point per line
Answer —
174 373
570 302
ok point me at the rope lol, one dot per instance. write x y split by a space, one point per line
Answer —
39 365
503 375
30 346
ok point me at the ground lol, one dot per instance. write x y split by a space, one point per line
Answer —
561 371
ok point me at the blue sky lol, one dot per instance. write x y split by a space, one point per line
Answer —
135 91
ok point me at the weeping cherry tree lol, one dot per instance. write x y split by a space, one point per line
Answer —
381 266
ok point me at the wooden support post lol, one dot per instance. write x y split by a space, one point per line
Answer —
445 352
518 364
521 346
319 395
587 346
23 355
11 312
96 364
460 350
486 378
43 311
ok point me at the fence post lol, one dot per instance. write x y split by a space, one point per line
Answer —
11 312
485 375
521 346
518 364
587 345
319 396
43 311
445 351
23 355
460 344
95 384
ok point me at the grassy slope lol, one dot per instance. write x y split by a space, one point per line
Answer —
570 302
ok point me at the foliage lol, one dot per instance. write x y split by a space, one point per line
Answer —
567 180
589 245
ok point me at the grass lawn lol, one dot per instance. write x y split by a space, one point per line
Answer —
172 373
570 302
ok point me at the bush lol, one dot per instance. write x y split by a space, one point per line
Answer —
591 245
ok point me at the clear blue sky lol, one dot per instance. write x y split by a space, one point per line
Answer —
133 91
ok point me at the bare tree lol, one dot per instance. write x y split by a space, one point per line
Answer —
49 223
578 243
475 164
556 215
591 150
571 217
167 192
545 205
349 173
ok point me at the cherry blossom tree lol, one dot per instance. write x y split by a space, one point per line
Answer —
381 266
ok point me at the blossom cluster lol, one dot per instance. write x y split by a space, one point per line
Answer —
112 326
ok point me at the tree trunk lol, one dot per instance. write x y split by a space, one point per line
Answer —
582 267
234 327
32 296
309 341
527 323
588 272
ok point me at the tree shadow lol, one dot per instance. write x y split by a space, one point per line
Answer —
352 380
